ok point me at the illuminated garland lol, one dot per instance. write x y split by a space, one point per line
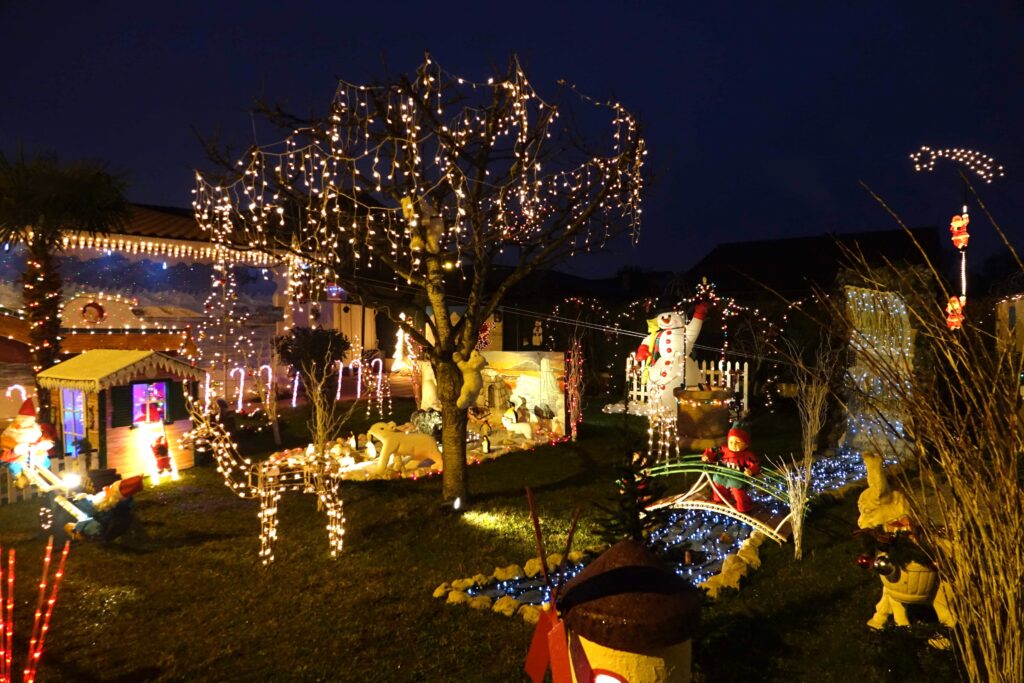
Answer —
767 330
222 343
574 385
177 249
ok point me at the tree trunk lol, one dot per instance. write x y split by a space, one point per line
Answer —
453 432
42 297
275 429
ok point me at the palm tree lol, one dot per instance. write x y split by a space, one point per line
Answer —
40 200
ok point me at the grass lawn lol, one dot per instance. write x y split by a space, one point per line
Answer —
182 597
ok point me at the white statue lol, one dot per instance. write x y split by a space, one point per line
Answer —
395 442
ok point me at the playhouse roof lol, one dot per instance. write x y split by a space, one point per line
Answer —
103 368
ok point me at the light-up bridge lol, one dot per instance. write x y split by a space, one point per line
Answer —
698 497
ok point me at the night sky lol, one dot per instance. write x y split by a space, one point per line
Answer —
761 118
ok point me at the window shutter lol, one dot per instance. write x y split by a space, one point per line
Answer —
101 423
176 402
121 406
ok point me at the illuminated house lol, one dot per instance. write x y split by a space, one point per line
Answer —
143 288
119 403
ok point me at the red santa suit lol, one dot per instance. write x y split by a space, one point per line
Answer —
958 228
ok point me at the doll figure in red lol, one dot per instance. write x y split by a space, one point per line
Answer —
736 455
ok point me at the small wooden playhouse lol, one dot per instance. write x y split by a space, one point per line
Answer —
117 403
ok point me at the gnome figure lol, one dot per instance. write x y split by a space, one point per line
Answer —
736 455
25 443
666 351
627 617
107 514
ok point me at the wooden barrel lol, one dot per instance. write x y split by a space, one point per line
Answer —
703 414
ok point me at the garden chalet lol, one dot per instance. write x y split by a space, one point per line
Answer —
117 403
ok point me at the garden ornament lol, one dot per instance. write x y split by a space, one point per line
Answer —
915 581
666 353
398 443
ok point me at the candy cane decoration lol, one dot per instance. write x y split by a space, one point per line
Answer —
270 380
359 376
241 385
295 390
18 388
206 393
338 365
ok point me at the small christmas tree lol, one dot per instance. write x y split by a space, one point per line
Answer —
627 516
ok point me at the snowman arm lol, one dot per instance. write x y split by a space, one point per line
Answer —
643 353
692 332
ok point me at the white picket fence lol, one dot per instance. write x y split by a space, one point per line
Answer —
732 376
10 493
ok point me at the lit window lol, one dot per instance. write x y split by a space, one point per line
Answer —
72 417
149 402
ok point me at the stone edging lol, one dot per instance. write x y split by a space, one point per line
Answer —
455 593
735 568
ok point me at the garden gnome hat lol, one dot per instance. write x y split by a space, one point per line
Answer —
28 408
740 431
23 429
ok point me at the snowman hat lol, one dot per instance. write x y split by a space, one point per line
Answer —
740 431
28 408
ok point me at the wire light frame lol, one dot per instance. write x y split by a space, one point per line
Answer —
291 471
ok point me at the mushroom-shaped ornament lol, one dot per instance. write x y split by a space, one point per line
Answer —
629 618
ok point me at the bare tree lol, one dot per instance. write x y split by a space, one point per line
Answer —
814 385
436 186
326 415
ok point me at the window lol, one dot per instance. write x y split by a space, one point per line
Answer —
149 402
72 417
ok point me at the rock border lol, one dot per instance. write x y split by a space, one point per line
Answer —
456 592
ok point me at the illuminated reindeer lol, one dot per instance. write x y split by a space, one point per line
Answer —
302 470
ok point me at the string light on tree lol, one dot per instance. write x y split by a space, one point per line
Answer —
433 177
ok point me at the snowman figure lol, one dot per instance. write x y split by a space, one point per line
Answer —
666 353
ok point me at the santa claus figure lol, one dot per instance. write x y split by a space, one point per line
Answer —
958 228
666 351
24 443
735 455
955 312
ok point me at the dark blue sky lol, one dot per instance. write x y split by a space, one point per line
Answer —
760 117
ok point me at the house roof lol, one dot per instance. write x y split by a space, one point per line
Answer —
794 266
103 368
164 222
